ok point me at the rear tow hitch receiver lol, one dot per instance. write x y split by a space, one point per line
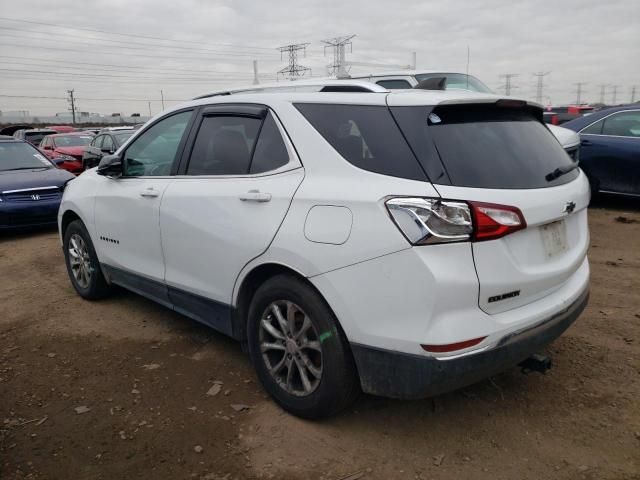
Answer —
535 363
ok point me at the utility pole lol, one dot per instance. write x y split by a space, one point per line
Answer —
414 60
294 69
614 94
162 98
338 45
72 105
540 85
149 104
255 72
633 94
508 86
603 87
579 86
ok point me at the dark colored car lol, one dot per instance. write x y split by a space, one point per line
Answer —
34 135
30 185
67 149
610 149
105 143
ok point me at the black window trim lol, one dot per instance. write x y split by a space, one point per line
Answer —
237 110
179 151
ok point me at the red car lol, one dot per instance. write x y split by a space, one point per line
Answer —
66 149
63 128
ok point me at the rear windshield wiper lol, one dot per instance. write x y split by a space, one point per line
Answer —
26 168
558 172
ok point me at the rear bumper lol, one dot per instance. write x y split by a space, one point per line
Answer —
401 375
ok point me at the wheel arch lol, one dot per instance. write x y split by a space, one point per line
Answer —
250 282
68 217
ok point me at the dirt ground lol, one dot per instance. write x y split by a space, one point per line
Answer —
118 389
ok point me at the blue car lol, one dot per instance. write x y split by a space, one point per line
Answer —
610 149
31 186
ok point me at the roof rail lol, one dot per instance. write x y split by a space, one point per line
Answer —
319 85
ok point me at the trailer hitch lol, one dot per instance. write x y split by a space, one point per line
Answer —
535 363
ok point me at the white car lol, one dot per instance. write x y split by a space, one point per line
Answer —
400 243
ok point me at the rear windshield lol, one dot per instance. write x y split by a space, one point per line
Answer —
485 146
36 137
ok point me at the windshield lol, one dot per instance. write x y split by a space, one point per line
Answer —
21 156
73 140
457 81
122 137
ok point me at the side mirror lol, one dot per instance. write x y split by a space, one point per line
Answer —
110 166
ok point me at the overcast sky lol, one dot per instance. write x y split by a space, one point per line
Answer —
188 47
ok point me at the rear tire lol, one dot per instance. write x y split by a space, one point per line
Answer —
302 340
82 263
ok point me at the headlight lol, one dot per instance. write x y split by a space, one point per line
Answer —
65 158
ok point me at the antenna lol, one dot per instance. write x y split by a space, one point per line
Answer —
338 45
294 69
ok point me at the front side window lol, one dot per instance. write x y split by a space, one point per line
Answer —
153 152
622 124
107 144
97 142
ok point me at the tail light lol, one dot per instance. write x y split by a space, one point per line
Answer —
493 221
433 220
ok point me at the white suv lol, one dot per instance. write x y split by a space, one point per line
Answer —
399 243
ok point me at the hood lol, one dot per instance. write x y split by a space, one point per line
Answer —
566 137
73 151
19 179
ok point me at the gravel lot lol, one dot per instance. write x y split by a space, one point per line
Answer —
118 389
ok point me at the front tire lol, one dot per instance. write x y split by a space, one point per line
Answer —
82 263
300 353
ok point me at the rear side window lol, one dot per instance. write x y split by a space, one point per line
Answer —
485 146
594 128
366 136
224 145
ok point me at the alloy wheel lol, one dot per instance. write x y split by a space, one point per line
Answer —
291 348
80 261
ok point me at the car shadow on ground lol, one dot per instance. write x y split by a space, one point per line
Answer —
615 202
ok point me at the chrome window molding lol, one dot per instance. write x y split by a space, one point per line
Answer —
50 187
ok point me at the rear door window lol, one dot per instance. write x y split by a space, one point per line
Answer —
486 146
366 136
223 145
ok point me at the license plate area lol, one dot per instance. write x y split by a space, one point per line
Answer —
554 238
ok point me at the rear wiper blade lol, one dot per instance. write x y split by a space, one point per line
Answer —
558 172
26 168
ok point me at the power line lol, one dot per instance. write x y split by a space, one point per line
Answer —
338 45
128 68
144 55
294 69
70 27
540 85
139 46
508 86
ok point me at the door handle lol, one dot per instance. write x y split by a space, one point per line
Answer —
255 196
585 143
149 193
